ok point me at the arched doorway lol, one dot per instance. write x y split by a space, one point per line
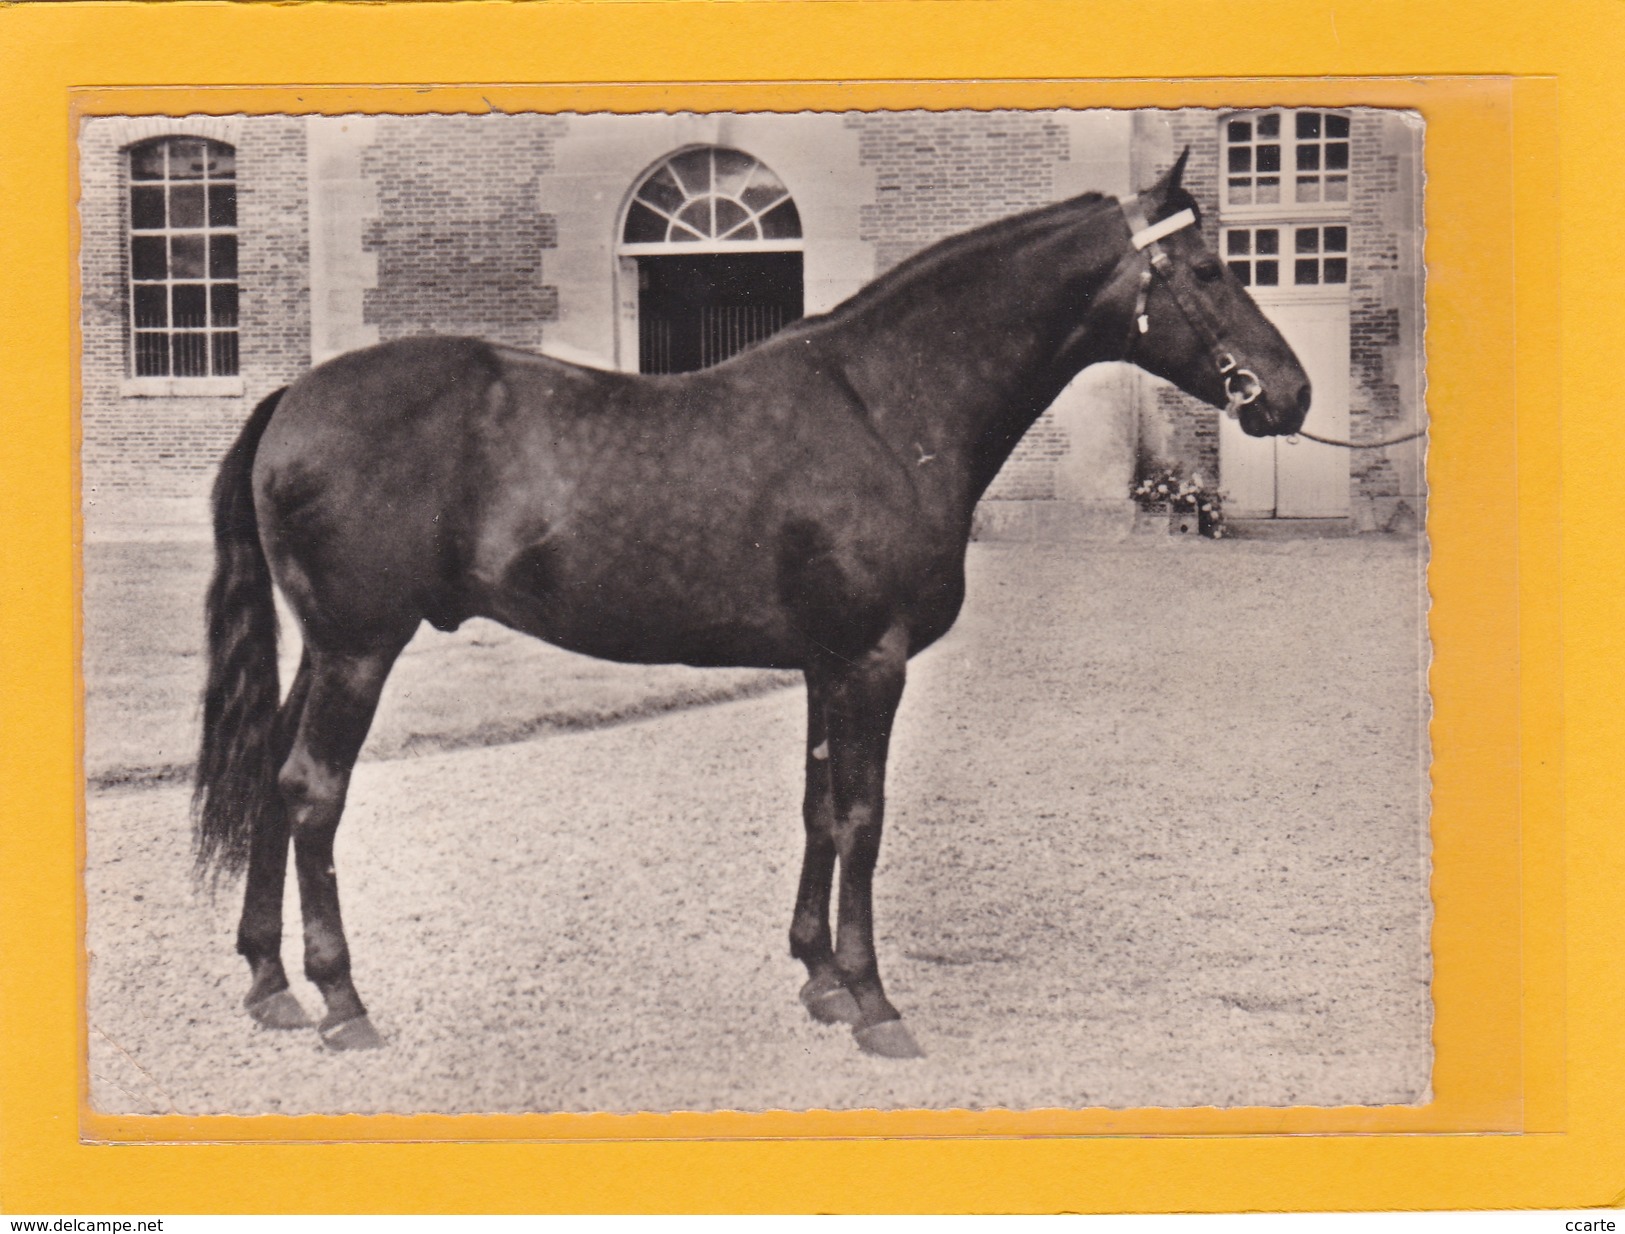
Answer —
712 243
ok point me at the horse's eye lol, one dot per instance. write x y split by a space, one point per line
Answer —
1209 270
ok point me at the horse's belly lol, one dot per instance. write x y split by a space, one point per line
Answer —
639 615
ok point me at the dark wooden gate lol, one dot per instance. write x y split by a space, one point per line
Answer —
697 311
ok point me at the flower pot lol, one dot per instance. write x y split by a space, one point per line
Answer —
1184 521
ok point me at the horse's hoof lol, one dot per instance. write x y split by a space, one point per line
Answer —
279 1010
356 1034
830 1002
888 1039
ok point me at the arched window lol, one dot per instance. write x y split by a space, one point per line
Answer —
183 258
712 197
713 239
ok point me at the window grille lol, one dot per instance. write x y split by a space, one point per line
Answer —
183 258
1286 158
1317 255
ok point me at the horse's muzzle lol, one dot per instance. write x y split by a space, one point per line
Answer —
1264 415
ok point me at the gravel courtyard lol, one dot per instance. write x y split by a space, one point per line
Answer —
1156 836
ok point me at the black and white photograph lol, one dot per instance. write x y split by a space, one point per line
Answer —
755 611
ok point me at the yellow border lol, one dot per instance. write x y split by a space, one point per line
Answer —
1517 1054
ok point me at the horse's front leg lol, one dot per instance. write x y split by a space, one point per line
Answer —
824 996
860 704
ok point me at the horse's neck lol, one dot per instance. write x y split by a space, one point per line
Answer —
953 376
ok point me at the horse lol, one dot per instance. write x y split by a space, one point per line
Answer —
804 505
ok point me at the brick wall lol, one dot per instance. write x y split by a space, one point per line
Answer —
941 173
459 233
1384 311
148 462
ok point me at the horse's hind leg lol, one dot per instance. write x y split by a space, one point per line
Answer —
344 690
259 933
825 998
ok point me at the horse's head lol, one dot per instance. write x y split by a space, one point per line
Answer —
1192 323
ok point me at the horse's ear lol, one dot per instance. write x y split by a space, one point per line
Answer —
1169 181
1176 173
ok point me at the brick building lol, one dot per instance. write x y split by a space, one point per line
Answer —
222 256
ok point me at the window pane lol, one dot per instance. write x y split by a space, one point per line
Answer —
186 159
146 208
1241 192
1269 126
1337 126
1268 240
225 354
729 216
683 235
152 355
1241 158
186 205
1308 240
1308 125
188 306
151 307
1337 239
783 222
1337 270
1308 188
1268 273
1269 158
191 354
733 171
760 196
661 190
693 171
147 162
186 257
222 205
698 216
1337 188
1306 272
1243 270
222 162
1240 130
223 304
222 257
1269 190
147 257
643 225
1238 242
1308 158
1337 156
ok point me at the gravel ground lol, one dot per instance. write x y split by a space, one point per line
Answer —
1156 837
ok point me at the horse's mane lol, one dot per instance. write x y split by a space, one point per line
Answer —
923 266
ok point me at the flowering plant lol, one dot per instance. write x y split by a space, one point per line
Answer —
1169 488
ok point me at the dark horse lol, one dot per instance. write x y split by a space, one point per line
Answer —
804 505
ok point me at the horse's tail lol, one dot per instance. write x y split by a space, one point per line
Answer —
236 789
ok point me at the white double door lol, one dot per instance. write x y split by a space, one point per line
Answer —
1274 477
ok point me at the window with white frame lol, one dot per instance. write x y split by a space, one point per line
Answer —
183 258
1286 158
1292 255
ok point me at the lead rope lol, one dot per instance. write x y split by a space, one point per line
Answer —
1355 445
